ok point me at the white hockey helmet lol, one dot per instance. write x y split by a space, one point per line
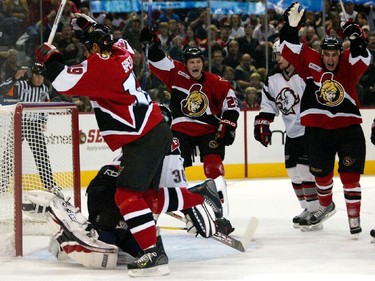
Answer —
276 49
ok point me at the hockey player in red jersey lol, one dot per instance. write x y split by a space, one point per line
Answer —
204 106
282 93
330 110
130 120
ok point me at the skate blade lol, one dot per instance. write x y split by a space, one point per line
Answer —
159 270
307 228
296 225
354 236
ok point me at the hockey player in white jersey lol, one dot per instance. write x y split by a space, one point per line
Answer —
282 93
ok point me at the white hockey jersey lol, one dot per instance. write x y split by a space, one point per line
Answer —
283 92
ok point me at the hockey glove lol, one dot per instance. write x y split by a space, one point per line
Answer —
45 52
224 226
226 132
148 36
292 15
262 132
81 22
352 30
373 133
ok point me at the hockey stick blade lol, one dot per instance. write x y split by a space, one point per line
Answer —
240 245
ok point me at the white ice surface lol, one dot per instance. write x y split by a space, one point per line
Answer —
277 252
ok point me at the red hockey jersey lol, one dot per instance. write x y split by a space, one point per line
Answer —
196 106
124 112
330 100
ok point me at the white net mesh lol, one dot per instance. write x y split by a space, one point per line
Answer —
46 161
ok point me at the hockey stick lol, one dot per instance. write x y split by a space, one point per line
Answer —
56 22
145 63
343 11
240 245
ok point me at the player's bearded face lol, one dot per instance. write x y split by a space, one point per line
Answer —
330 59
194 67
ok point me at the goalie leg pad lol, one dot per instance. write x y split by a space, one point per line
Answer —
77 238
199 221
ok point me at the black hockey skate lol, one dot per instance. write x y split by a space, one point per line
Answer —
355 225
208 190
297 219
154 262
322 214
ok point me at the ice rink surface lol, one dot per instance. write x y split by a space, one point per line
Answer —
277 251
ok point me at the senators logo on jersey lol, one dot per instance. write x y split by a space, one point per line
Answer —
331 93
196 103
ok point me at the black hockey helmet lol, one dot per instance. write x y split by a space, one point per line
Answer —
38 68
330 43
100 34
192 52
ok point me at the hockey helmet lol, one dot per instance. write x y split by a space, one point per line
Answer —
166 113
38 68
192 52
275 49
330 43
100 34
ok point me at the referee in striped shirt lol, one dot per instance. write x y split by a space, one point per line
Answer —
31 89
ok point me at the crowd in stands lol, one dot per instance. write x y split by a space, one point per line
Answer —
240 47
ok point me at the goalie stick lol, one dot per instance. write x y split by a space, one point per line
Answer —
238 244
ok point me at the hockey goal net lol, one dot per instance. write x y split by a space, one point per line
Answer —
39 149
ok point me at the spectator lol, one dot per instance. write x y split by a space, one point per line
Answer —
225 36
310 36
243 71
237 29
132 32
233 57
349 14
168 15
176 49
200 25
190 40
10 65
262 31
172 28
69 46
217 66
248 44
13 21
164 37
229 76
256 80
251 100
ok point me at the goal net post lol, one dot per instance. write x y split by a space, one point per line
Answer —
39 150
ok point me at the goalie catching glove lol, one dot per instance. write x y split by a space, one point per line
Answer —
262 132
